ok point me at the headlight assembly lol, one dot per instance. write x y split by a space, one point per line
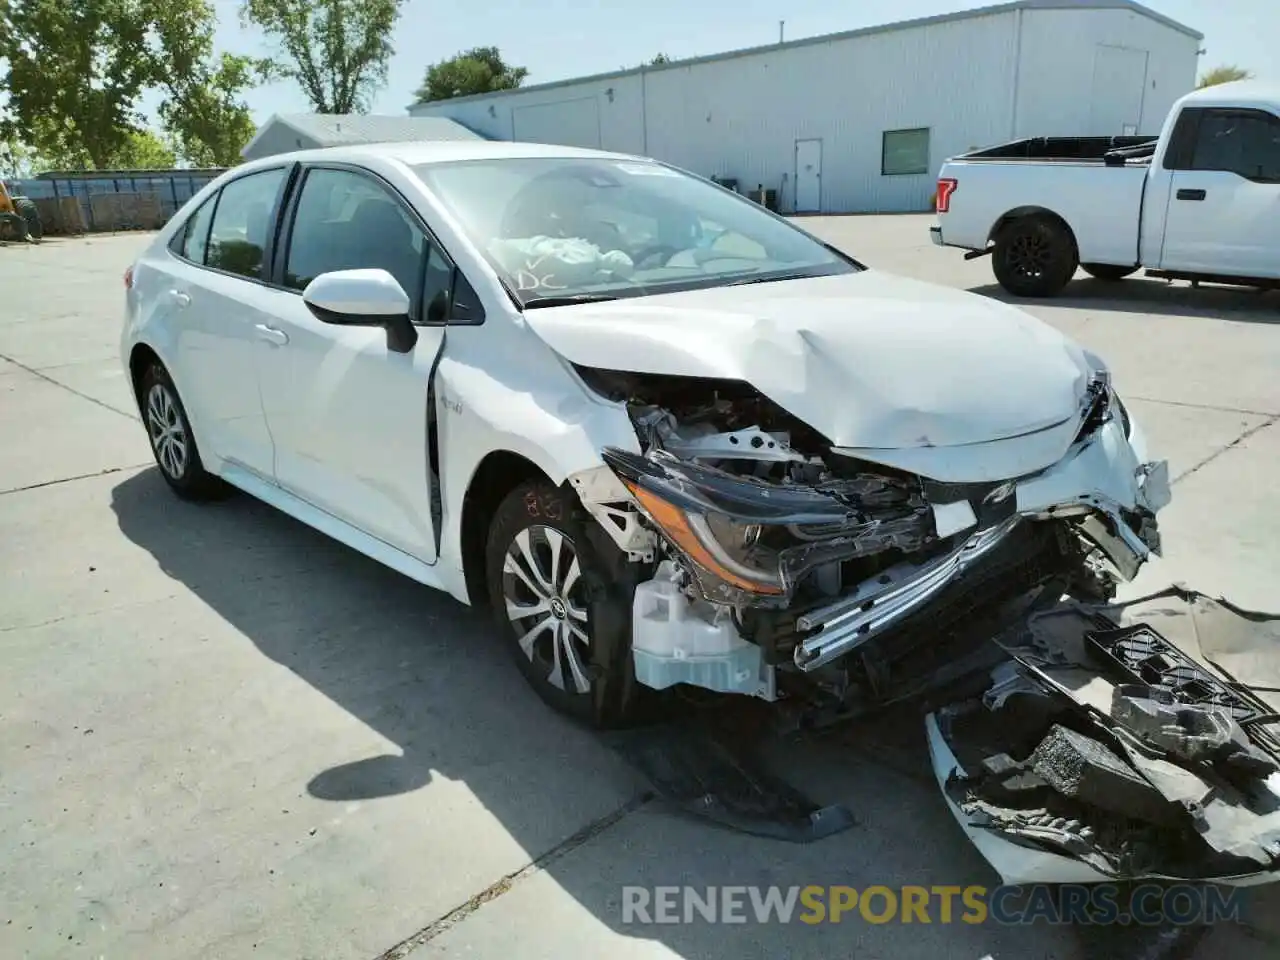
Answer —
749 541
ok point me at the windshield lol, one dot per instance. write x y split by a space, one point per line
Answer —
562 230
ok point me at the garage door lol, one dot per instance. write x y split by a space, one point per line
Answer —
571 123
1119 85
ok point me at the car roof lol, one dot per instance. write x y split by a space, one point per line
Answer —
1238 93
417 152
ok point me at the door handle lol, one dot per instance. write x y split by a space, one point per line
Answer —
180 298
271 334
1192 194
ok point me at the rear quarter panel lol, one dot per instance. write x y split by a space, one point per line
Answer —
1101 205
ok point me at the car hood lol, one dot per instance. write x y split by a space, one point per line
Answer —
868 359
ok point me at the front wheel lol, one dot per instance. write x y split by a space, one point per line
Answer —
1034 257
1107 271
561 604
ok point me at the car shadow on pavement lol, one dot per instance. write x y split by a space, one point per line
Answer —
1137 295
427 674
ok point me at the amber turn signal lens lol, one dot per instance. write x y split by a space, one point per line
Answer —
675 525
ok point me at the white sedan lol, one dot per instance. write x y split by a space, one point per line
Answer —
666 436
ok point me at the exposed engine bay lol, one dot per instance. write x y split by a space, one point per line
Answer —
782 567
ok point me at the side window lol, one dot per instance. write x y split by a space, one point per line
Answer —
437 286
345 221
1242 142
190 242
242 222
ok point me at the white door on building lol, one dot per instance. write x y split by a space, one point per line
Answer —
1119 88
808 176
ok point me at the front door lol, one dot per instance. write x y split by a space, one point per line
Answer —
1223 214
348 414
808 176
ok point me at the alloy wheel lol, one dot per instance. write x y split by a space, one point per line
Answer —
542 587
1030 255
167 430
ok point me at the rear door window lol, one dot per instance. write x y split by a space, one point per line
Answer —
242 224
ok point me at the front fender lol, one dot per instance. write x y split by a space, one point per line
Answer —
537 410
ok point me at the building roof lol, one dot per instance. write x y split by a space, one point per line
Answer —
337 129
1130 5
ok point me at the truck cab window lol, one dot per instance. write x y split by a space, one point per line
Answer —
1245 143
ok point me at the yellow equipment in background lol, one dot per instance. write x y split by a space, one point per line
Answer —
19 217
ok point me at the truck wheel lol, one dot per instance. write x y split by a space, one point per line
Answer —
28 211
559 594
1034 257
1107 271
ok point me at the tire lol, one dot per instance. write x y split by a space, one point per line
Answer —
1034 257
12 227
172 442
27 209
573 646
1107 271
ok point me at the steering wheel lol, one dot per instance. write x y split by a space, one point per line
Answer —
652 250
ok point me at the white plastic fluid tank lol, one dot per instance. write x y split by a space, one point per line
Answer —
675 640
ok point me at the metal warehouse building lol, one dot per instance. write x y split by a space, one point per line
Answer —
861 121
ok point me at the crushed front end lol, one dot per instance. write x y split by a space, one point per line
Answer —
779 566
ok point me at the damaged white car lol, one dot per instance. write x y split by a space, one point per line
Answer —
669 438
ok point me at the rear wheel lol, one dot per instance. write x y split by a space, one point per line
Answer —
1034 257
1107 271
172 440
560 604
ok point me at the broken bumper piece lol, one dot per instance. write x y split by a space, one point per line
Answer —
1104 751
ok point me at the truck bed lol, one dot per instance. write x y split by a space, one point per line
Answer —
1107 151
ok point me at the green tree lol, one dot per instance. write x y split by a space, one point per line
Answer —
77 71
478 70
1224 74
659 60
336 50
142 150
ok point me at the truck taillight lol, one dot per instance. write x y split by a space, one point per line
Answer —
946 187
128 278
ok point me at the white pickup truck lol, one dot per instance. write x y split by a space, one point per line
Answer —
1202 202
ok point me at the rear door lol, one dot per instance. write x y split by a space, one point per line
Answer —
219 285
1223 214
350 415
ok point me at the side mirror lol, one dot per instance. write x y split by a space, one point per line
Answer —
363 298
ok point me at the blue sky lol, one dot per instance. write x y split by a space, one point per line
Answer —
558 39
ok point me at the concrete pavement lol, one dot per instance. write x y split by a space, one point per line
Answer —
222 735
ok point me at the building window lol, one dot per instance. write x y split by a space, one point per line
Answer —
905 152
